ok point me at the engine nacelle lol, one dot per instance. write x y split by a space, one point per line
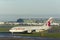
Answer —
29 31
37 30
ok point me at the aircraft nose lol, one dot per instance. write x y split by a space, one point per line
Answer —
10 30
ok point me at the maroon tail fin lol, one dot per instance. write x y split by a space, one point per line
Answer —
48 23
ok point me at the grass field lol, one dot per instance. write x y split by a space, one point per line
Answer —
48 35
5 28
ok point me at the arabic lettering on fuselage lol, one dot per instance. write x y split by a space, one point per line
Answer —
19 28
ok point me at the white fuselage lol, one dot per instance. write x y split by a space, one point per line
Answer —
29 28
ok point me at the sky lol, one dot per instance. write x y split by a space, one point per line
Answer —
11 10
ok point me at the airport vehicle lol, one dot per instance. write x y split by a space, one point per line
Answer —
31 29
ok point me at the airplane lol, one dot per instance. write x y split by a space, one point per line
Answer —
31 29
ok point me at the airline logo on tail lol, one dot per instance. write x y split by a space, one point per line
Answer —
49 21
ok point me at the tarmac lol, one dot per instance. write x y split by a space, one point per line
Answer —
13 38
16 39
